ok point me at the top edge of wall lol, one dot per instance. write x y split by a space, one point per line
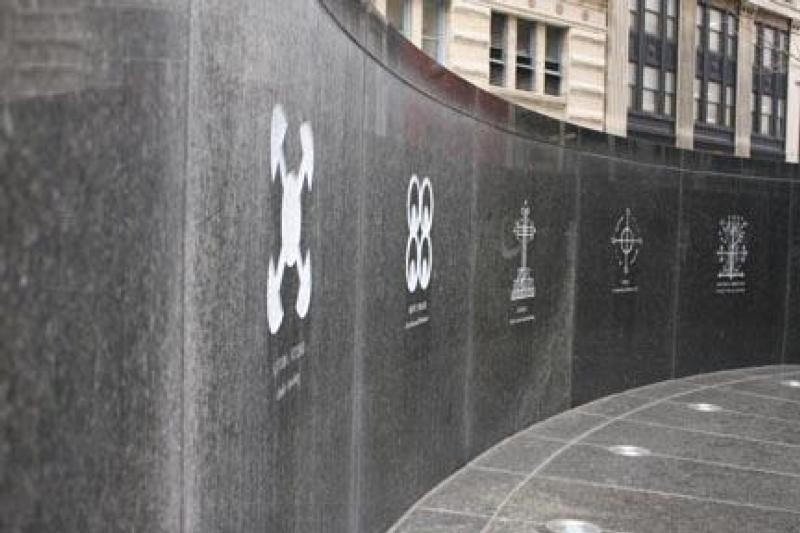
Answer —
368 29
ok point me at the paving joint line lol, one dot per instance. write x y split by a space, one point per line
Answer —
794 422
442 510
758 395
698 461
710 433
676 495
515 473
569 442
580 437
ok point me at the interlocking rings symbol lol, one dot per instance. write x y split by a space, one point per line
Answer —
291 219
419 249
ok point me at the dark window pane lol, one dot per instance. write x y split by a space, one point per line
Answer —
526 53
433 19
497 52
398 15
552 85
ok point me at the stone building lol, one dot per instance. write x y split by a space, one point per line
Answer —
548 55
708 74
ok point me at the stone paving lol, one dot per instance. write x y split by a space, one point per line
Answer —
711 453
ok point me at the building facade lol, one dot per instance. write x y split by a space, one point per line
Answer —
547 55
713 75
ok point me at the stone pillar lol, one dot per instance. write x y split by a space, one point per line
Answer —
793 96
416 23
744 81
380 6
687 62
617 67
511 52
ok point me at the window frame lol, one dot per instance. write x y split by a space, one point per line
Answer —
530 68
556 73
659 51
541 70
771 81
718 67
498 63
405 22
440 38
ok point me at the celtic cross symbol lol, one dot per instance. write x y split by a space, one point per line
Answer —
524 230
627 241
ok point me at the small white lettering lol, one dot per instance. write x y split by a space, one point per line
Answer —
417 322
279 365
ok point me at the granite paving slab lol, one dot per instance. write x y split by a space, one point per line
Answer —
474 491
566 426
676 476
428 521
712 453
689 444
616 405
615 509
722 422
772 387
730 400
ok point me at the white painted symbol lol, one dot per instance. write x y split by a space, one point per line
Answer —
291 219
524 230
732 251
626 241
419 248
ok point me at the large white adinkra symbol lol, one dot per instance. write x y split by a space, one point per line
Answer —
419 249
291 219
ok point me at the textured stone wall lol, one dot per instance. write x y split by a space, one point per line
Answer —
258 264
92 144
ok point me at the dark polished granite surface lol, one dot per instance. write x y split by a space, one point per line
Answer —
227 302
712 453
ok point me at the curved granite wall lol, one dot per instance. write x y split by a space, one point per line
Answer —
213 313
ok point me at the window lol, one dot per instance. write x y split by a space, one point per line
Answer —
697 92
714 28
433 28
497 50
526 54
554 38
713 100
715 91
769 81
649 89
631 84
652 17
669 93
766 115
730 38
653 55
767 46
671 22
398 14
730 105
